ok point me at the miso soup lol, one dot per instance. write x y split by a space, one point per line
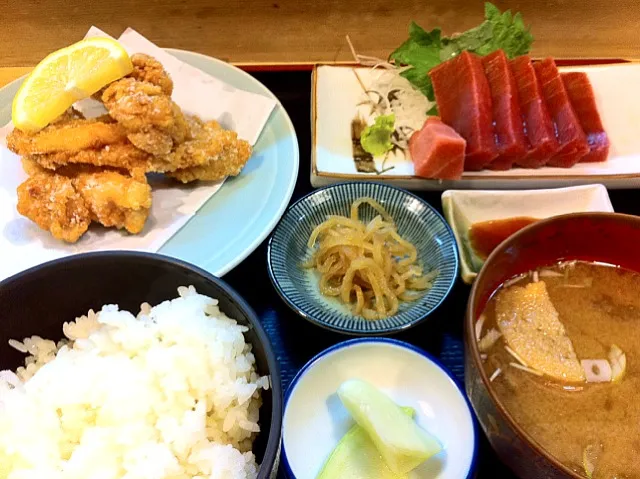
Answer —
561 346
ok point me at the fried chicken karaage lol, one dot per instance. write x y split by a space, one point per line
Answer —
150 70
69 137
66 202
51 201
211 154
154 123
94 170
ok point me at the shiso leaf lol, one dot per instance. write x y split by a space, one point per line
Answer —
424 50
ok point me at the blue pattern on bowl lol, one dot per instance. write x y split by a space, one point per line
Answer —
417 222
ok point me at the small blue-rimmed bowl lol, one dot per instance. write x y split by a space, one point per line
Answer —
417 222
315 420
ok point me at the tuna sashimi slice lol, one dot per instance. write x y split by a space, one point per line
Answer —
573 141
539 129
437 151
584 104
507 118
464 103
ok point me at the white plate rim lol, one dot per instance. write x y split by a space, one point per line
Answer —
286 198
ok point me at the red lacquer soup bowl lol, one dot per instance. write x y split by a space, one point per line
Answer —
605 237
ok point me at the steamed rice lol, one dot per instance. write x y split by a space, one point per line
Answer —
172 393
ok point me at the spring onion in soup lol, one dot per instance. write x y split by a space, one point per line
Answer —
618 361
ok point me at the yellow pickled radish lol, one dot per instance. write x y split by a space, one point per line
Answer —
66 76
356 457
401 442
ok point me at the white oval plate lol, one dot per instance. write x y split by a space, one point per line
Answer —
315 420
234 221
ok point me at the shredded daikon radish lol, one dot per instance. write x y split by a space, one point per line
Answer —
513 281
390 93
547 273
479 324
516 355
524 368
495 374
489 340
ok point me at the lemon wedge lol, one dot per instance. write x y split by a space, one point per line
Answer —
402 444
66 76
356 457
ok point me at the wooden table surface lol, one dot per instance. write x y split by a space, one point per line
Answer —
307 31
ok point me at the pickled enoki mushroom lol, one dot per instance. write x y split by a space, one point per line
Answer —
367 266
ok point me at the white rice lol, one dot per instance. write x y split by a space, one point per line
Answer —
172 393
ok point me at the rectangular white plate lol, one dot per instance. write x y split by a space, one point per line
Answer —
336 94
464 208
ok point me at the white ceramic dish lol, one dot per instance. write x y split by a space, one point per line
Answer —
336 94
315 420
463 208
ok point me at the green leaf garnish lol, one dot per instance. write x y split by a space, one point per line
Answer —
376 138
424 50
498 31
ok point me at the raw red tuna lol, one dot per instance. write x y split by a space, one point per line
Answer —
573 141
507 118
539 129
464 102
584 104
437 151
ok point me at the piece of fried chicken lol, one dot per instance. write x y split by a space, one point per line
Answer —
146 69
211 154
71 136
141 103
114 199
66 202
52 202
215 153
150 70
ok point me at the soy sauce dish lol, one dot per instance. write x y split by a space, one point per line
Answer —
316 420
